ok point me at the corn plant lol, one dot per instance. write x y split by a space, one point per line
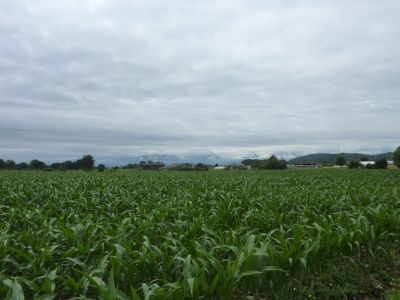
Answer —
197 235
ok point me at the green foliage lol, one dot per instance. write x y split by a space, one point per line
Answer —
9 164
101 167
340 160
381 164
396 157
37 164
354 165
272 163
248 162
320 234
200 167
21 166
85 163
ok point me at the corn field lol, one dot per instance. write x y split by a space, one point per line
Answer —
294 234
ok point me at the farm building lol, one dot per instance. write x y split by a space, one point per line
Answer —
219 168
365 163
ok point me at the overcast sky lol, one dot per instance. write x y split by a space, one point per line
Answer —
118 78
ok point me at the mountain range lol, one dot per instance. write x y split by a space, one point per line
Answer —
212 159
209 159
331 158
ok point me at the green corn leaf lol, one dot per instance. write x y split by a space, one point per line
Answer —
15 290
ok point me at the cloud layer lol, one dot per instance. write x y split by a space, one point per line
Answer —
118 77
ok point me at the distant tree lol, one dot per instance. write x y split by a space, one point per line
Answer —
396 157
282 164
247 162
326 163
381 164
69 165
2 164
132 166
200 167
142 162
354 164
364 158
272 163
21 166
37 164
9 164
57 166
86 162
340 160
101 168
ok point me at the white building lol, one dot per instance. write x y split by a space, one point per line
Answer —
220 168
366 163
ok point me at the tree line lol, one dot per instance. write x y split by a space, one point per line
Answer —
378 164
272 163
85 163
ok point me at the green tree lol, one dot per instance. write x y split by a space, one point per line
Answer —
2 164
132 166
201 167
340 160
396 157
56 166
37 164
9 164
86 162
22 166
101 168
69 165
272 163
381 164
248 162
354 164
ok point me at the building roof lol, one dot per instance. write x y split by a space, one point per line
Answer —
220 168
367 162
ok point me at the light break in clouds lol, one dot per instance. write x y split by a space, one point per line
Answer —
115 77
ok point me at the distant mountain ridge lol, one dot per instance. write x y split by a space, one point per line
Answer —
331 158
212 158
209 159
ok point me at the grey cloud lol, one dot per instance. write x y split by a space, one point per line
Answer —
122 77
